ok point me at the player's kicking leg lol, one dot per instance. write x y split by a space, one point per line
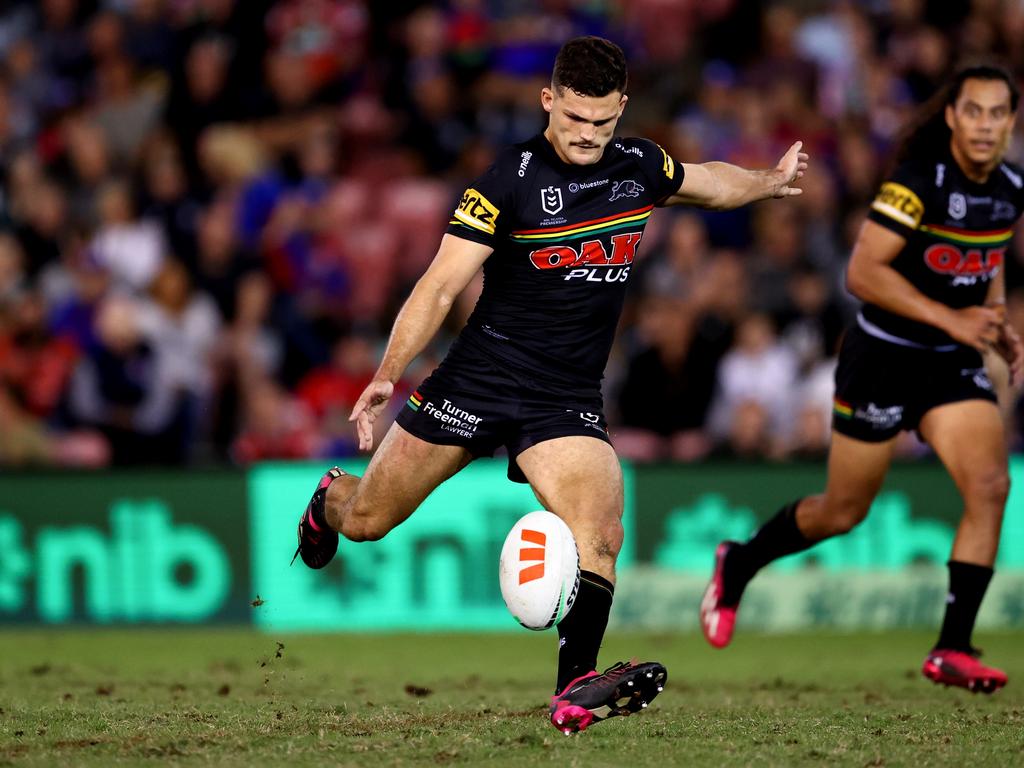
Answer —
580 480
401 474
968 437
856 469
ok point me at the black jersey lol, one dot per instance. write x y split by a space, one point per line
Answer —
957 233
564 237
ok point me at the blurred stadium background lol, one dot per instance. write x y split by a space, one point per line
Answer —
210 211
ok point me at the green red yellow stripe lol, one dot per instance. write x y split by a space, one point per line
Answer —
967 236
842 409
590 227
415 401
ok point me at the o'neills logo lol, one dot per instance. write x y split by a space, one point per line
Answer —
524 161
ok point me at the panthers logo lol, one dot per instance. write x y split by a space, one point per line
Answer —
627 188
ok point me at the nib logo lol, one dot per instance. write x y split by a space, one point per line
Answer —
15 565
140 566
527 554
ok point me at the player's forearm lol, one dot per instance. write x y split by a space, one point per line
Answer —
417 323
996 290
884 287
736 186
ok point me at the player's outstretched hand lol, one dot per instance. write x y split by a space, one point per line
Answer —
368 407
977 327
790 168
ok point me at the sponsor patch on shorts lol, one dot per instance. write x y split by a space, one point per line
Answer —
449 416
979 376
879 417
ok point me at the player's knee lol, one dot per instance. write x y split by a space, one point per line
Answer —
988 489
609 536
846 515
364 530
361 524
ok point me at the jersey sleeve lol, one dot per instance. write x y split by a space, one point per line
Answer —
483 212
1015 174
899 204
661 170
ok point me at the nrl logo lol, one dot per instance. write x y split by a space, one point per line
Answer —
551 200
957 205
627 188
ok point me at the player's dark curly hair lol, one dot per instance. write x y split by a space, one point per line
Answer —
590 66
928 135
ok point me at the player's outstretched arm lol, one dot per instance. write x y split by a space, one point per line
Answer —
722 186
871 278
456 262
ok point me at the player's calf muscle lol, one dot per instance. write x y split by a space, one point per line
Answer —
338 495
350 515
361 524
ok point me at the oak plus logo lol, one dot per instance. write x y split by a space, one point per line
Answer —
964 267
531 554
551 200
591 262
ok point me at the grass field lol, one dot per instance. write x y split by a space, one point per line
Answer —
97 698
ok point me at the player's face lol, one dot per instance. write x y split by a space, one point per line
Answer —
580 127
981 121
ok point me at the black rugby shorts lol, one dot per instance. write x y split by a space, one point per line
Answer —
883 388
472 401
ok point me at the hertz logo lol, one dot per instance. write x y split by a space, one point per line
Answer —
477 211
900 204
529 554
667 166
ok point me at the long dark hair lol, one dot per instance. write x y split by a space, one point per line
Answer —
928 135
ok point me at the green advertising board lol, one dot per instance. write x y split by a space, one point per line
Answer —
127 547
159 547
438 570
688 510
888 572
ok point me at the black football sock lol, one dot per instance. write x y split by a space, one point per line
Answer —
581 632
967 585
778 537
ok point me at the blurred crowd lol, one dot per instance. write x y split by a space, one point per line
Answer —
210 210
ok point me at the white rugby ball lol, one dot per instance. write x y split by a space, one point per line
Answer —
539 571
